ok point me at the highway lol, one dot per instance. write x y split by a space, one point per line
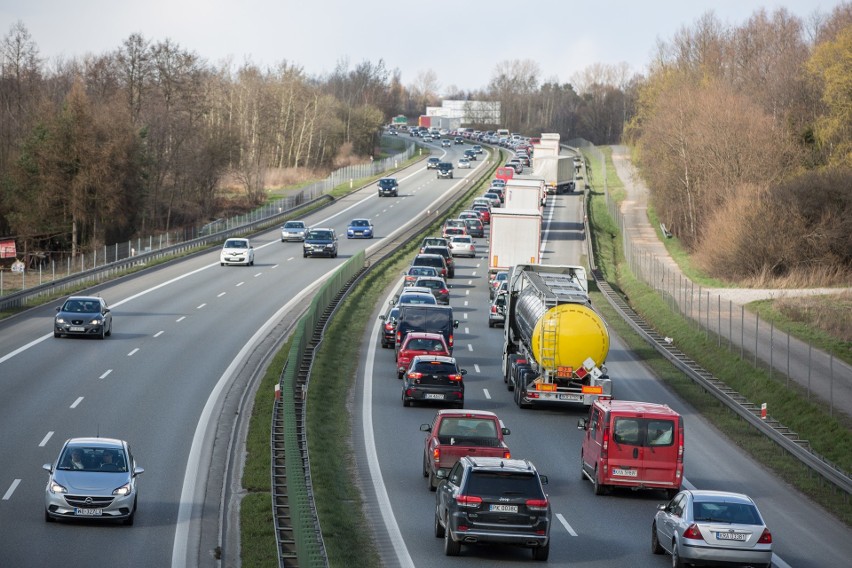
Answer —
592 531
182 334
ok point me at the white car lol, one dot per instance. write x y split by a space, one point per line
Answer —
237 251
462 245
464 163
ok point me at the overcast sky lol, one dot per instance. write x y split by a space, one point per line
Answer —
461 41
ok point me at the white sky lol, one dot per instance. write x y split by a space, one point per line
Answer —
460 40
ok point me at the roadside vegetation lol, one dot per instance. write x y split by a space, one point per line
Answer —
829 436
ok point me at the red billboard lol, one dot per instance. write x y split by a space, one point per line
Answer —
7 249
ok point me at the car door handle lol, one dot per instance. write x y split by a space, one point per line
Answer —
635 453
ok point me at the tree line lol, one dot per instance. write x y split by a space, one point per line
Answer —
744 134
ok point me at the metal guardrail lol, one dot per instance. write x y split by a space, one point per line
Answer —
774 430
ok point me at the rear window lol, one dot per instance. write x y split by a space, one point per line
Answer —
434 261
422 344
510 484
468 428
738 513
436 368
643 431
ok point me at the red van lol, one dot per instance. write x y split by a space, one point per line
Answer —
632 444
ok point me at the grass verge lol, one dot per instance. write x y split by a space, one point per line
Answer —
829 436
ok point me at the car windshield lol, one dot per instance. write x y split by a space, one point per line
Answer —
320 235
294 225
85 458
236 244
387 182
82 306
360 223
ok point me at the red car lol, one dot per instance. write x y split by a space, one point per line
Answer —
484 214
419 343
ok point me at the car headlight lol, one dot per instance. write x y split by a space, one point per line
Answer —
123 490
97 321
60 320
56 488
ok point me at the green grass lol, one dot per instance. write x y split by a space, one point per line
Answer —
829 436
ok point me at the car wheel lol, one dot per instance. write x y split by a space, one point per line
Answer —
103 332
304 255
600 488
451 547
251 263
405 401
425 466
129 520
541 552
48 518
439 528
109 331
676 560
655 543
490 323
670 493
221 264
433 482
57 334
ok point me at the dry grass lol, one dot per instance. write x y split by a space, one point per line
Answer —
830 313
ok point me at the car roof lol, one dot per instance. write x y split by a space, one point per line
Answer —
634 407
501 464
708 495
470 413
424 335
95 442
428 255
85 298
416 290
359 219
438 358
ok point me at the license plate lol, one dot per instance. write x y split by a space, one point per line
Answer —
571 397
625 472
76 328
730 536
88 512
503 508
434 396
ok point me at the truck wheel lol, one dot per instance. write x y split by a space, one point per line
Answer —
600 488
425 467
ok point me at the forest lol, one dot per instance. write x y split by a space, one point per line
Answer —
739 131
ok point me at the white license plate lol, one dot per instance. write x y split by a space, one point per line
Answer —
625 472
76 328
434 396
571 397
88 512
503 508
731 536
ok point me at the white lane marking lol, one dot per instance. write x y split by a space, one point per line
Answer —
132 353
159 333
274 266
291 258
220 294
477 265
565 524
476 367
258 274
44 440
200 306
77 402
470 282
472 274
470 346
467 292
467 330
465 302
487 394
388 517
240 284
180 319
465 315
106 374
15 483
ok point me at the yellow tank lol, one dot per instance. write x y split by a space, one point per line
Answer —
569 334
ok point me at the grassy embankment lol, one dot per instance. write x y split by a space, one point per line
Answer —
829 436
338 499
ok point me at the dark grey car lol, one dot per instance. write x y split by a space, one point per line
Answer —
320 242
83 315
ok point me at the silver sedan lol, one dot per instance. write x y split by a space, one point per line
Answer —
712 527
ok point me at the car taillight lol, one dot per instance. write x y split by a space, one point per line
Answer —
692 532
399 337
765 538
455 377
537 504
493 309
605 445
507 455
415 375
436 454
451 341
388 327
468 501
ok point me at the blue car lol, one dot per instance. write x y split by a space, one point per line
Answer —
360 229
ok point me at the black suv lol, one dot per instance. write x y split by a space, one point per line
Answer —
432 163
493 500
445 170
434 260
470 154
448 257
388 186
320 242
433 378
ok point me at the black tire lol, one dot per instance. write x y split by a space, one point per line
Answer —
600 488
57 334
676 560
103 332
433 481
109 331
541 552
221 264
405 402
425 466
48 518
451 547
491 324
128 522
655 543
670 493
439 528
304 255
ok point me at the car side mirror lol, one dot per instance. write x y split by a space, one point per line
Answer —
543 479
137 471
505 431
581 424
463 371
455 324
47 467
425 428
106 310
442 474
382 317
662 506
58 308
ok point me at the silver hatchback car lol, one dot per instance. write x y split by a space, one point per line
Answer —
712 527
93 479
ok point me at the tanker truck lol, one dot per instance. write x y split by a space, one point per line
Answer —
554 342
